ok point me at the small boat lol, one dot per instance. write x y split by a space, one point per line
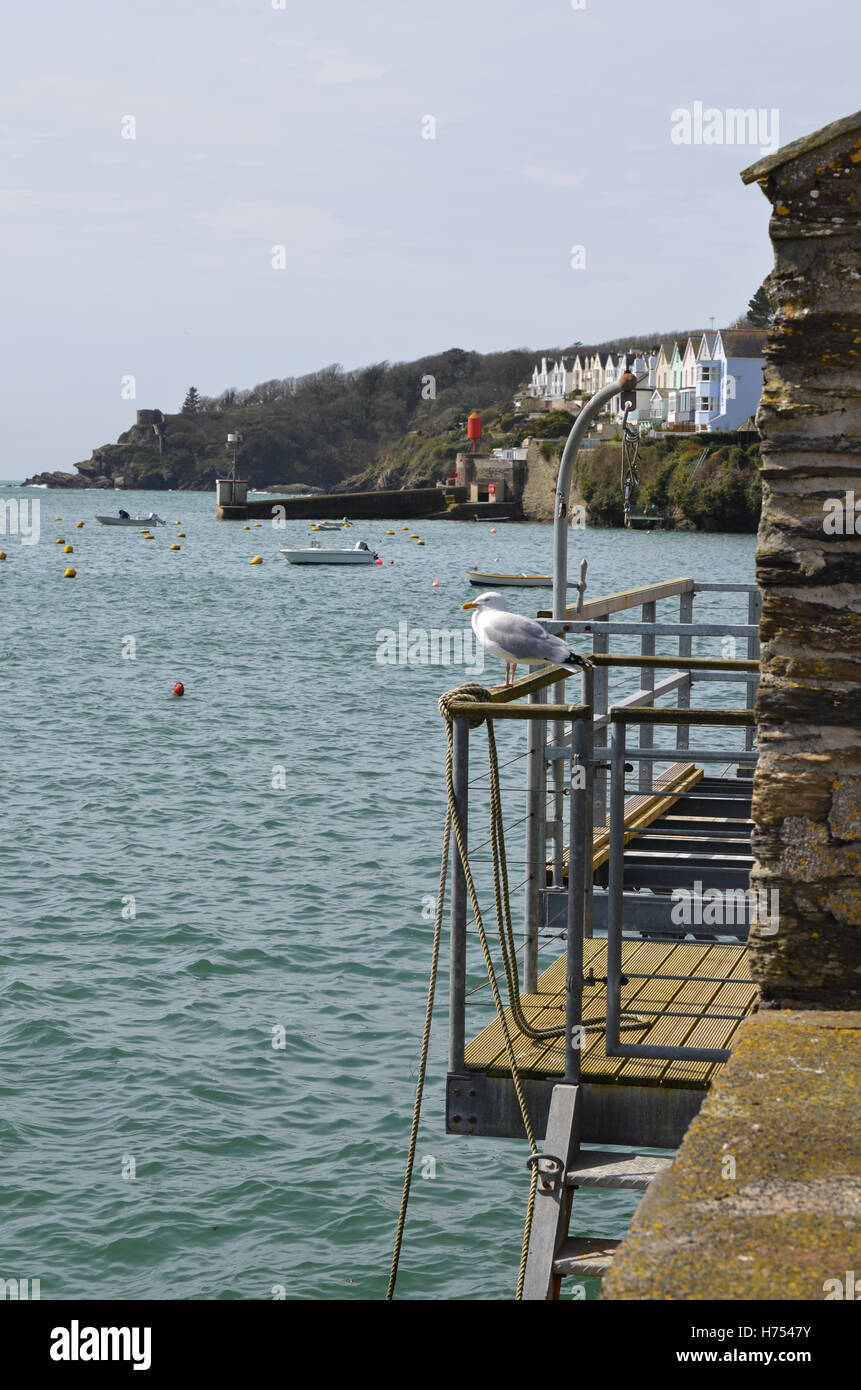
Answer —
329 525
318 555
151 520
506 517
509 581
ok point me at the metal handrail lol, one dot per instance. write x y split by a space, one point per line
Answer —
619 719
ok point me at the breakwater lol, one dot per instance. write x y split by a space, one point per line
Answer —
359 506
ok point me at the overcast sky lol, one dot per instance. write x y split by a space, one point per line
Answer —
258 126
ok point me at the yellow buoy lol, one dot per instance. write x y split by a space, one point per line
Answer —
414 535
256 560
69 574
177 523
419 542
144 530
257 523
246 528
390 533
68 550
405 528
181 533
2 554
176 547
60 541
58 518
79 525
149 537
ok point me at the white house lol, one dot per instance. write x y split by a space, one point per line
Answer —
550 380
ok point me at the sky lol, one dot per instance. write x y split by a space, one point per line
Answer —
222 192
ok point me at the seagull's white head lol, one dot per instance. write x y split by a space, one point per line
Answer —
489 600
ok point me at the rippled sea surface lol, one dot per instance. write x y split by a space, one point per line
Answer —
169 910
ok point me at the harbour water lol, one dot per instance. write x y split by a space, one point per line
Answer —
187 882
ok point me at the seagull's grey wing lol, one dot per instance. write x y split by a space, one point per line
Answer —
523 638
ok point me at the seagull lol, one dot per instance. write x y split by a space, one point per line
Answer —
516 639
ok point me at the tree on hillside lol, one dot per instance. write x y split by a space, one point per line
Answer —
191 404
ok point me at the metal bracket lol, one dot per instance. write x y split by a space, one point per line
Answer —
593 979
599 763
548 1178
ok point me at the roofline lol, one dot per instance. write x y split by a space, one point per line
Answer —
805 145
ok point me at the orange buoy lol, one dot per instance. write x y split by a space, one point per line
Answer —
493 530
179 688
435 584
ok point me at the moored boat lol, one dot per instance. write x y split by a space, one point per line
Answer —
483 580
151 520
320 555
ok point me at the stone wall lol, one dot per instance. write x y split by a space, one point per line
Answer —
807 788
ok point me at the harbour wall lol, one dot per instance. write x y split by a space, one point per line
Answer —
357 506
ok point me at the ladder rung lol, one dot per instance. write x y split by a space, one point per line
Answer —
604 1168
578 1255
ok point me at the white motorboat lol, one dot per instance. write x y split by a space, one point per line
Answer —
151 520
319 555
329 525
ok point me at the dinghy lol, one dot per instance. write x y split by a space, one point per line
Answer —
151 520
482 580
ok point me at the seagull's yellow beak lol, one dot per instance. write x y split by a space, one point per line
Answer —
468 605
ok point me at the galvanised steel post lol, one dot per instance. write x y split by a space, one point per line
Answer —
536 737
616 884
647 682
587 685
457 956
754 613
563 490
683 699
577 821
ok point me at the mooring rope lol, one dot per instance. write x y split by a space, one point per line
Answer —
508 950
478 693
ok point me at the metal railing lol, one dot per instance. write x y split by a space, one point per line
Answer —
580 739
619 718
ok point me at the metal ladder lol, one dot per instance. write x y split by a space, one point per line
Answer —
563 1167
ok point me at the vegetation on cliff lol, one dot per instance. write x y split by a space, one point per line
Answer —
717 490
387 425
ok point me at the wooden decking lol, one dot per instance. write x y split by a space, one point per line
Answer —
691 995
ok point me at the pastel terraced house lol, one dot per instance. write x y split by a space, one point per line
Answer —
738 354
713 381
550 380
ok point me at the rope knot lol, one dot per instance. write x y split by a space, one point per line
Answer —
470 691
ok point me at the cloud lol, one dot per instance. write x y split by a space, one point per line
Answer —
552 178
329 67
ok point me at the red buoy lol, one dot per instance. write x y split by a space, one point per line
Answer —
179 688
